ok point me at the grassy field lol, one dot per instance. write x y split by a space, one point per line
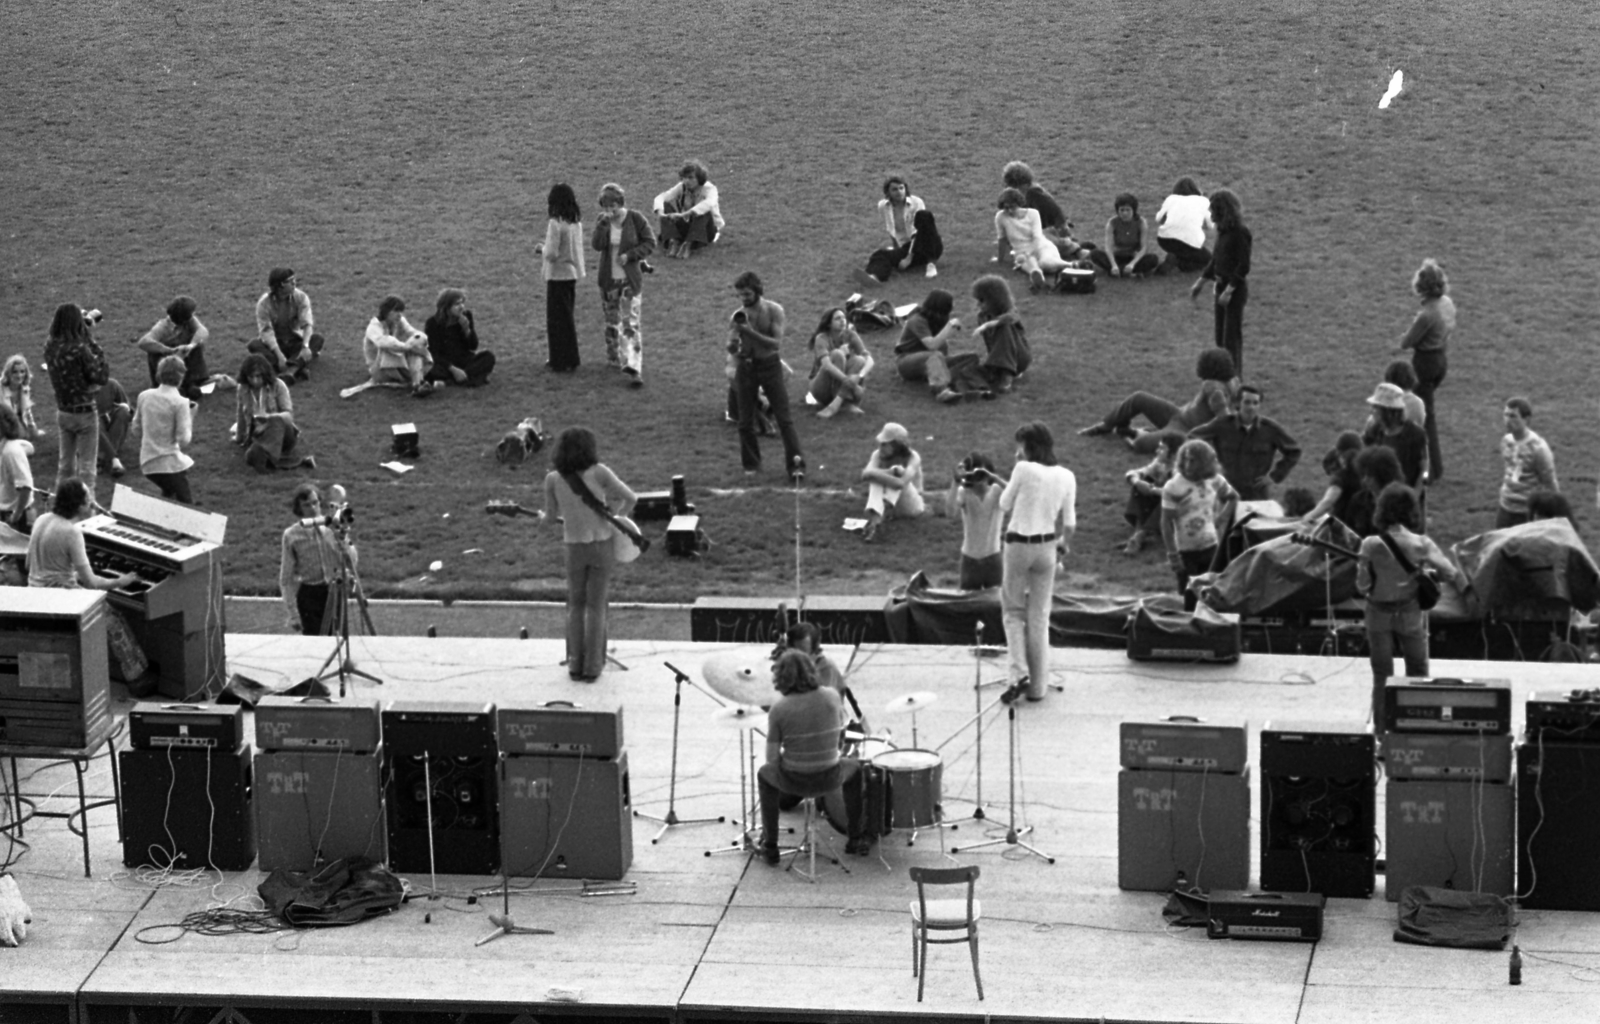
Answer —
154 148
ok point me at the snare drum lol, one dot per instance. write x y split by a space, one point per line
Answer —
913 785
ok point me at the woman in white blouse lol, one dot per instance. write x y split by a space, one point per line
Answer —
562 250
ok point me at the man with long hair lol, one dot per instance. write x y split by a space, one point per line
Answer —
77 372
1041 498
756 333
1228 271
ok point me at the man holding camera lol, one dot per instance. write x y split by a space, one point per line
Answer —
77 371
285 331
755 334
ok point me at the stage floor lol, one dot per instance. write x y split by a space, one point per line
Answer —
726 938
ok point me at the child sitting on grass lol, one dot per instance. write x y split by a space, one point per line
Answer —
1143 511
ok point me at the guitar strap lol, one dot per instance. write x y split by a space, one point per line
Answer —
1406 565
581 489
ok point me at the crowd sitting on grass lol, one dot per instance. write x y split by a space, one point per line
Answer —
1213 449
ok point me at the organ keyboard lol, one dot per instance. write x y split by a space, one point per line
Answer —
175 606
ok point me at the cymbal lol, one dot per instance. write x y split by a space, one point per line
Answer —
742 676
910 702
740 716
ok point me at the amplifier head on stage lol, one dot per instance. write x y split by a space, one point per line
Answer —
216 727
318 723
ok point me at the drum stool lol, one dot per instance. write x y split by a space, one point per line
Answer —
808 844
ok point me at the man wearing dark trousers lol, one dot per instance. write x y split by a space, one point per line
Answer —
1255 452
285 329
757 333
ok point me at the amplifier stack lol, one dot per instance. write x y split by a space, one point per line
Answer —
1450 808
565 805
1558 790
1318 798
1183 806
439 774
186 788
319 794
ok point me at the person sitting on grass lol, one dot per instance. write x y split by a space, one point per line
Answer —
1143 510
894 480
1006 353
1219 391
975 490
913 237
839 365
265 425
1020 240
16 390
285 329
180 333
1127 249
16 474
1344 482
453 343
1181 226
690 214
1189 504
924 345
396 352
1053 219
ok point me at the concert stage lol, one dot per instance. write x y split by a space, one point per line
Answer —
723 938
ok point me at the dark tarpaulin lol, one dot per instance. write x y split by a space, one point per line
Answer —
1282 577
1430 916
920 613
1536 570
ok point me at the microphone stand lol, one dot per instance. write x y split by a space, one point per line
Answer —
336 617
1013 836
672 820
977 719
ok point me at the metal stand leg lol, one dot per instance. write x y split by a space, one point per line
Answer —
672 820
1013 836
978 812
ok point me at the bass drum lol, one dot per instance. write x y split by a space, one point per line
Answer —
874 810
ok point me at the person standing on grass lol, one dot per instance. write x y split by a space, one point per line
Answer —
180 334
975 491
575 472
1181 226
166 426
1189 503
453 343
562 266
1530 465
839 365
1255 451
77 370
285 329
115 413
1390 428
756 334
1127 250
1041 499
624 240
1229 272
913 239
690 213
1429 339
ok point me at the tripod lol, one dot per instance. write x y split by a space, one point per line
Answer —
672 818
1013 836
346 583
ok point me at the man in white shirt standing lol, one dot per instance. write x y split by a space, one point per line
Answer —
1041 501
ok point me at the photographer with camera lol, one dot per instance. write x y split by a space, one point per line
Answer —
755 334
77 369
311 559
975 490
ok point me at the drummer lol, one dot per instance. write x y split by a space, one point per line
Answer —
803 751
805 636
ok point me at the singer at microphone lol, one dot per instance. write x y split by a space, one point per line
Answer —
311 559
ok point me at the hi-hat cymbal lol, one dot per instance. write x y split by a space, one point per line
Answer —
740 716
742 676
910 702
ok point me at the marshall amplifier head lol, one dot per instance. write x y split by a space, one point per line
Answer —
1185 744
1284 916
1447 705
559 729
317 723
217 727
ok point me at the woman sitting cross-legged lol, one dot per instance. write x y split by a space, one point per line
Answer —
839 365
1127 252
894 480
1006 354
395 351
1189 505
265 425
1219 390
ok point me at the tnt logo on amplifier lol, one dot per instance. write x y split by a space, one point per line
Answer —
521 730
530 789
272 730
1153 799
1137 746
1417 813
1401 755
279 783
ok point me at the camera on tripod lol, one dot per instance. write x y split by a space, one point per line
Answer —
341 516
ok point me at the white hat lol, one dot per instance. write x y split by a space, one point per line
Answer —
893 432
1388 396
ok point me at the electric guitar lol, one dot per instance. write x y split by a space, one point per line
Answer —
623 547
1329 546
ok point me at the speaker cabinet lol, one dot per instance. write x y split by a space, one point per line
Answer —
317 807
566 817
1318 810
1558 825
1176 829
1454 835
187 808
440 774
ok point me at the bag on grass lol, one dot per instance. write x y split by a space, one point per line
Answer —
871 315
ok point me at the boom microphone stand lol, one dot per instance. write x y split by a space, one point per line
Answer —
1013 836
336 617
977 719
672 818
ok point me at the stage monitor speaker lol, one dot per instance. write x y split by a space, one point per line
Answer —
187 809
1177 829
55 687
315 807
441 756
1558 825
1318 809
1454 835
566 817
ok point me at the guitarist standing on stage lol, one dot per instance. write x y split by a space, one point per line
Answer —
1394 618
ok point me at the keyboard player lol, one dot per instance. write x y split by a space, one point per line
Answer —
57 557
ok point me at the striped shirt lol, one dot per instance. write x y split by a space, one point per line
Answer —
805 727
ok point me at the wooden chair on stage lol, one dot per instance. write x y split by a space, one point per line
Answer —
943 915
